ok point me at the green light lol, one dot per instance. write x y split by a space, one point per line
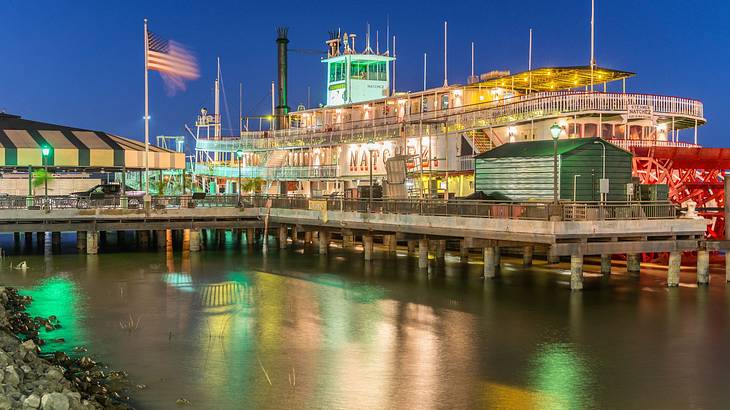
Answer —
239 153
46 150
555 130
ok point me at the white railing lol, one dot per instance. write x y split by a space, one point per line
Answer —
326 171
628 144
523 108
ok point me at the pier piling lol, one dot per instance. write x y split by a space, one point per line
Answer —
80 240
675 261
282 236
161 238
605 264
412 248
576 272
463 251
324 242
92 242
194 240
489 266
527 255
633 264
367 246
423 253
703 267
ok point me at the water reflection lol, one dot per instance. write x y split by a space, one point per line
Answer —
230 328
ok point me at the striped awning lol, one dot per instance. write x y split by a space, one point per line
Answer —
21 142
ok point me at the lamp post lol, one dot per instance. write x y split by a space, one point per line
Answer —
46 151
555 131
575 181
239 156
371 149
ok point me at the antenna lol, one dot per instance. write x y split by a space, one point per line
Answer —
387 34
393 64
368 50
472 59
377 42
240 108
424 71
593 40
529 64
446 68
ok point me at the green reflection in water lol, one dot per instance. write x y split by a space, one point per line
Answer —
562 377
59 296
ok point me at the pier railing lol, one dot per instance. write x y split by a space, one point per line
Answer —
541 211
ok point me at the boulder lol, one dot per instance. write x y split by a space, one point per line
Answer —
54 401
33 401
11 376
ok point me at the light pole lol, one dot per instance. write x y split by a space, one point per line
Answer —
371 149
575 181
46 151
555 131
239 156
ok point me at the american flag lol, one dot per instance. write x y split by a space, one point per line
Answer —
174 62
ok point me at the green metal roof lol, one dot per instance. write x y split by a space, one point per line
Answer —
542 148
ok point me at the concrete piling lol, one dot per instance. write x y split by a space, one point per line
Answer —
92 242
489 266
161 238
80 240
324 242
576 272
412 248
606 264
440 250
348 241
250 237
40 238
703 267
143 239
527 255
633 264
56 239
463 251
423 253
367 247
392 244
675 262
497 257
282 236
194 240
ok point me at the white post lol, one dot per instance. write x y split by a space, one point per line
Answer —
146 114
593 57
273 109
472 59
393 64
446 81
529 65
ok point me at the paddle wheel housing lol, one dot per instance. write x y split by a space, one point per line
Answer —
691 172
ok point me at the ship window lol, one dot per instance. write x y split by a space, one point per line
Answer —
590 131
368 70
337 71
607 130
635 132
619 131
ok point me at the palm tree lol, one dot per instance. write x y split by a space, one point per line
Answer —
40 178
253 185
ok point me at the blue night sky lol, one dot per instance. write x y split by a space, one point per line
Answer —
80 63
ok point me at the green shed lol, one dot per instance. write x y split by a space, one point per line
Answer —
523 171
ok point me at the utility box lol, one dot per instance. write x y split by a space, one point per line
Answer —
523 171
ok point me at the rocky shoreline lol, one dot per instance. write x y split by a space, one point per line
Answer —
31 379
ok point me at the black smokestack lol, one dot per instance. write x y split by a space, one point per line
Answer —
282 108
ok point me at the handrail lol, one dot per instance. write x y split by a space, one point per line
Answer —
570 211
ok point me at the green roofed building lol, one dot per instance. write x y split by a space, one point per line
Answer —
523 171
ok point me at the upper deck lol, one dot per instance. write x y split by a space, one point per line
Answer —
443 110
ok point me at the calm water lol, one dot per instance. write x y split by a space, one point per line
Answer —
229 328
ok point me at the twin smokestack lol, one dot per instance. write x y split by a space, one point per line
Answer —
282 108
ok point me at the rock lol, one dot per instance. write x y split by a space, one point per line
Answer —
11 376
182 402
26 369
54 374
5 403
33 401
28 346
74 399
54 401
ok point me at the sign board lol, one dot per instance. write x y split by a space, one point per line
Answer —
603 183
317 204
639 111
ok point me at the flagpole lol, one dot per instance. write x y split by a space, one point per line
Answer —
146 114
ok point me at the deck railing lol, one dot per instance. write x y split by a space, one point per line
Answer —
489 114
541 211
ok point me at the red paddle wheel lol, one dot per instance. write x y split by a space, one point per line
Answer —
691 172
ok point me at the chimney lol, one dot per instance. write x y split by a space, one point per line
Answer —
282 108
